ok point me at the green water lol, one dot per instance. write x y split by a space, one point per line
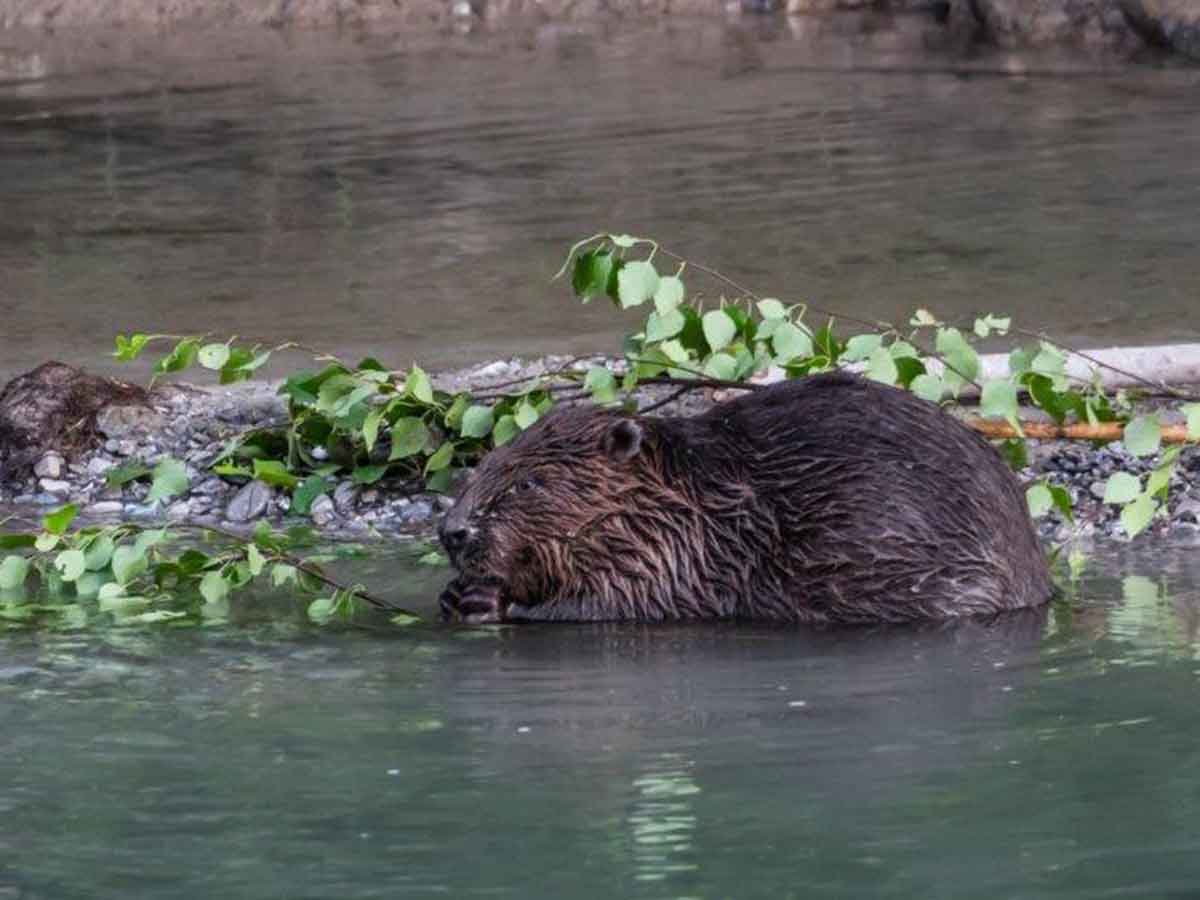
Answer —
1036 756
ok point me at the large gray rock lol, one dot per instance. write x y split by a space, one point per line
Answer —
249 503
1174 24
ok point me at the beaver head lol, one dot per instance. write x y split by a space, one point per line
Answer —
557 516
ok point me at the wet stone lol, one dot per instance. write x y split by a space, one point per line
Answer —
49 466
345 496
54 486
250 502
323 511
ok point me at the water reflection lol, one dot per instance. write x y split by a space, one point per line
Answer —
1051 753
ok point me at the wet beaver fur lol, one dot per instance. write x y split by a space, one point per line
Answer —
827 500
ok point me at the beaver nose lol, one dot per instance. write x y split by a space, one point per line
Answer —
453 536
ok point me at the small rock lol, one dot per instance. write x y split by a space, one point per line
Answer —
99 465
1097 488
49 466
249 503
322 511
123 421
491 370
370 496
179 511
444 503
319 453
54 486
417 511
345 495
211 487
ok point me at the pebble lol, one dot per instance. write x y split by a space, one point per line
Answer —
49 466
322 511
106 508
99 465
249 503
179 511
54 486
345 496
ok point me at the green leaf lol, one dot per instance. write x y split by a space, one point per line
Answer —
668 295
306 492
149 538
1136 516
126 472
721 366
368 474
593 275
170 480
322 608
434 558
255 560
404 619
928 387
213 587
862 346
1143 435
16 541
438 482
1062 501
440 459
770 308
881 366
989 323
13 572
1015 453
1192 411
213 356
274 473
478 421
962 362
182 356
58 521
624 241
127 563
418 385
129 348
903 350
923 317
526 414
602 384
46 542
790 342
370 428
456 411
70 564
282 573
1039 499
661 326
1122 488
637 282
409 437
719 329
506 429
999 400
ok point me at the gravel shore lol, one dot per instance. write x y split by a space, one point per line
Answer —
193 424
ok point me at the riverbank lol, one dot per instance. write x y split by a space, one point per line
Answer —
194 425
1122 27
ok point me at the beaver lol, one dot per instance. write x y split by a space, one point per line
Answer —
826 500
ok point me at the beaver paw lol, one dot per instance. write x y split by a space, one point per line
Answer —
471 603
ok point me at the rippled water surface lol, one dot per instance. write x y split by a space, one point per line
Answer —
1038 756
412 197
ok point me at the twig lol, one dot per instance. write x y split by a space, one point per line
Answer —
1082 431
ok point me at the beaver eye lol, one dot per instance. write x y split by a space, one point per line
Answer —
528 484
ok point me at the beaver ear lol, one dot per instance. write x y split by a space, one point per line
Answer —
623 440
